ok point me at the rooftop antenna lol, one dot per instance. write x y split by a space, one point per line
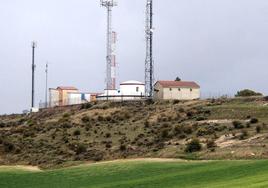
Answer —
149 62
46 101
110 64
33 71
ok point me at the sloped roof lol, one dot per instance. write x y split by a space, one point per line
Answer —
66 88
185 84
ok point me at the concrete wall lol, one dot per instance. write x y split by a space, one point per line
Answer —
181 93
64 96
54 97
132 89
176 93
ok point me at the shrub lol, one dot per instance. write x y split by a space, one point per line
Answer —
66 115
238 125
77 132
188 130
100 118
254 120
200 118
211 144
176 101
85 119
205 131
81 148
244 135
247 93
108 135
165 133
178 130
146 124
266 98
108 145
193 146
86 106
2 124
190 114
8 146
123 147
258 129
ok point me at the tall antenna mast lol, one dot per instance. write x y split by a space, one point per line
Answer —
46 101
33 70
149 62
110 65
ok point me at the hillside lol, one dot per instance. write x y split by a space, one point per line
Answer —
226 128
121 174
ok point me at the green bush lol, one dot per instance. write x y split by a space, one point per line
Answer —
244 135
193 146
8 146
165 133
188 130
86 106
85 119
211 144
81 148
77 132
238 125
254 120
66 115
123 147
258 129
247 93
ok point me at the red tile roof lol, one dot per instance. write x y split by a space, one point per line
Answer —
67 88
184 84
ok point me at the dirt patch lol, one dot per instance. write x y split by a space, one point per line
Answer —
21 167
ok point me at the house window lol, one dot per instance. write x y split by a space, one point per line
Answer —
179 89
191 89
170 89
137 89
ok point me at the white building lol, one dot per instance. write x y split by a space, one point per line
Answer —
64 96
176 90
129 90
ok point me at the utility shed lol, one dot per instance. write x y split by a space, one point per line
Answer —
176 90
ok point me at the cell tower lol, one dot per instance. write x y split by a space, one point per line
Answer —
149 62
111 38
33 73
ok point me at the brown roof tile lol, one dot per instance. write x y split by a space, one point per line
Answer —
67 88
178 84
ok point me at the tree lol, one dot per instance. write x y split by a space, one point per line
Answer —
178 79
247 93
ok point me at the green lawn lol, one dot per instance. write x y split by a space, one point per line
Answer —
144 175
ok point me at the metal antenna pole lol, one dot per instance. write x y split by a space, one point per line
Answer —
149 62
109 4
46 101
33 70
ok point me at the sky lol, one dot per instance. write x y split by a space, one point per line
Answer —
220 44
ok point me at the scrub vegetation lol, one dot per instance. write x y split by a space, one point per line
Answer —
203 129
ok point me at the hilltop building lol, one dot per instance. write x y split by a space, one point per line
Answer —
129 90
176 90
63 96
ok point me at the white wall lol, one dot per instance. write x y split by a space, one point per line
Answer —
181 93
137 90
54 97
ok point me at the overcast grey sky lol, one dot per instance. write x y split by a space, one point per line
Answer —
221 44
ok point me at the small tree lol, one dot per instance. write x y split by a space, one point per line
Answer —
193 146
177 79
247 93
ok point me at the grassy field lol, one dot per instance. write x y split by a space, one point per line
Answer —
143 174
